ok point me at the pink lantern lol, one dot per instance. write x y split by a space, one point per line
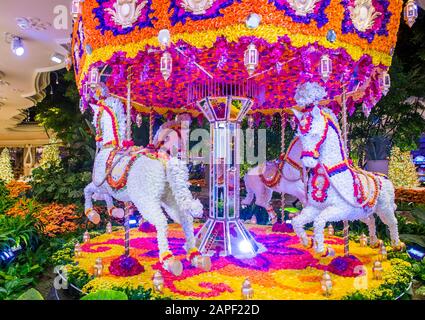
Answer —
166 65
75 9
410 12
325 67
251 59
94 77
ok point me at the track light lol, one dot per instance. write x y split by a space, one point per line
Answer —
57 58
17 46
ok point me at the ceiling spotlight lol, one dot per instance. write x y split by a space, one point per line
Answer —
253 21
57 58
17 46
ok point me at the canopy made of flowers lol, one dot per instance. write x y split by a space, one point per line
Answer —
269 45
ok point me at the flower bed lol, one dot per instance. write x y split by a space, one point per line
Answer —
415 195
285 271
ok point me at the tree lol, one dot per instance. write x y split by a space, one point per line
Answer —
51 154
396 118
401 170
6 172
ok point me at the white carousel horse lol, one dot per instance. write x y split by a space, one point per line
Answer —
148 179
283 176
336 190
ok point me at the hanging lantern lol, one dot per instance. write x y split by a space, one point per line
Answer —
98 268
166 65
75 9
331 230
410 12
251 122
326 283
377 270
385 82
109 227
139 120
77 250
363 240
86 237
325 67
251 59
247 291
94 77
158 282
382 256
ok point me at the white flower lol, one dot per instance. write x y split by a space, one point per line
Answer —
309 93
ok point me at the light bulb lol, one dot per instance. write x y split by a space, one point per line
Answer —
17 46
253 21
164 37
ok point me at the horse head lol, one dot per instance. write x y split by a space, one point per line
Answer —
312 130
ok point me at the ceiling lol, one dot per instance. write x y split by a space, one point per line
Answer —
23 79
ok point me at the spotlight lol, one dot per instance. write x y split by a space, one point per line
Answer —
17 46
245 246
57 58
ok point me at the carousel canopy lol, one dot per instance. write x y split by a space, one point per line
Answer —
258 48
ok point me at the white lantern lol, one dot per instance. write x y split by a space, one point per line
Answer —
75 9
94 77
247 291
158 282
410 12
164 37
326 284
325 67
385 82
251 59
109 227
139 120
166 65
86 237
331 230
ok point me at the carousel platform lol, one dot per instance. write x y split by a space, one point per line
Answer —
286 271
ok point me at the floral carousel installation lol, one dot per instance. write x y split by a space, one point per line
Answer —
310 62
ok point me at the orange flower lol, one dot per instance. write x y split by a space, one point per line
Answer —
17 188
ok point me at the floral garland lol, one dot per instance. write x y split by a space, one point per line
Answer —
320 183
319 14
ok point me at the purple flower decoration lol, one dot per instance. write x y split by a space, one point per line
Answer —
147 227
283 228
106 22
380 25
345 266
125 267
318 15
180 14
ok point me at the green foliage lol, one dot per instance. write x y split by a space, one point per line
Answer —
138 293
77 276
414 232
419 271
396 282
106 295
19 231
31 294
54 184
62 257
6 202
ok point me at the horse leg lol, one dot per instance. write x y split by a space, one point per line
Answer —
91 214
112 210
307 215
327 215
263 200
153 213
370 221
186 221
249 190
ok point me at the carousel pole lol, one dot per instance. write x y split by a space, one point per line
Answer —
151 125
128 138
345 139
282 151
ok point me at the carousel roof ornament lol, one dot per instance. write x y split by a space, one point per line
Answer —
126 12
303 7
197 7
363 14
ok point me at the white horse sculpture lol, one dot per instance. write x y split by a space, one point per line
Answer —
148 179
336 190
284 176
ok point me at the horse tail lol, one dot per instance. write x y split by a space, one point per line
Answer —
177 177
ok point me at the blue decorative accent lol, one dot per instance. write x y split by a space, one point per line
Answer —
331 36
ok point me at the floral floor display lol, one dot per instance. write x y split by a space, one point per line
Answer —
285 271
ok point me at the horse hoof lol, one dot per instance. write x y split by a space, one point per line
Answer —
400 247
309 244
117 213
174 266
93 216
377 244
202 262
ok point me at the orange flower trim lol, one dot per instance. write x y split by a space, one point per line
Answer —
17 188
